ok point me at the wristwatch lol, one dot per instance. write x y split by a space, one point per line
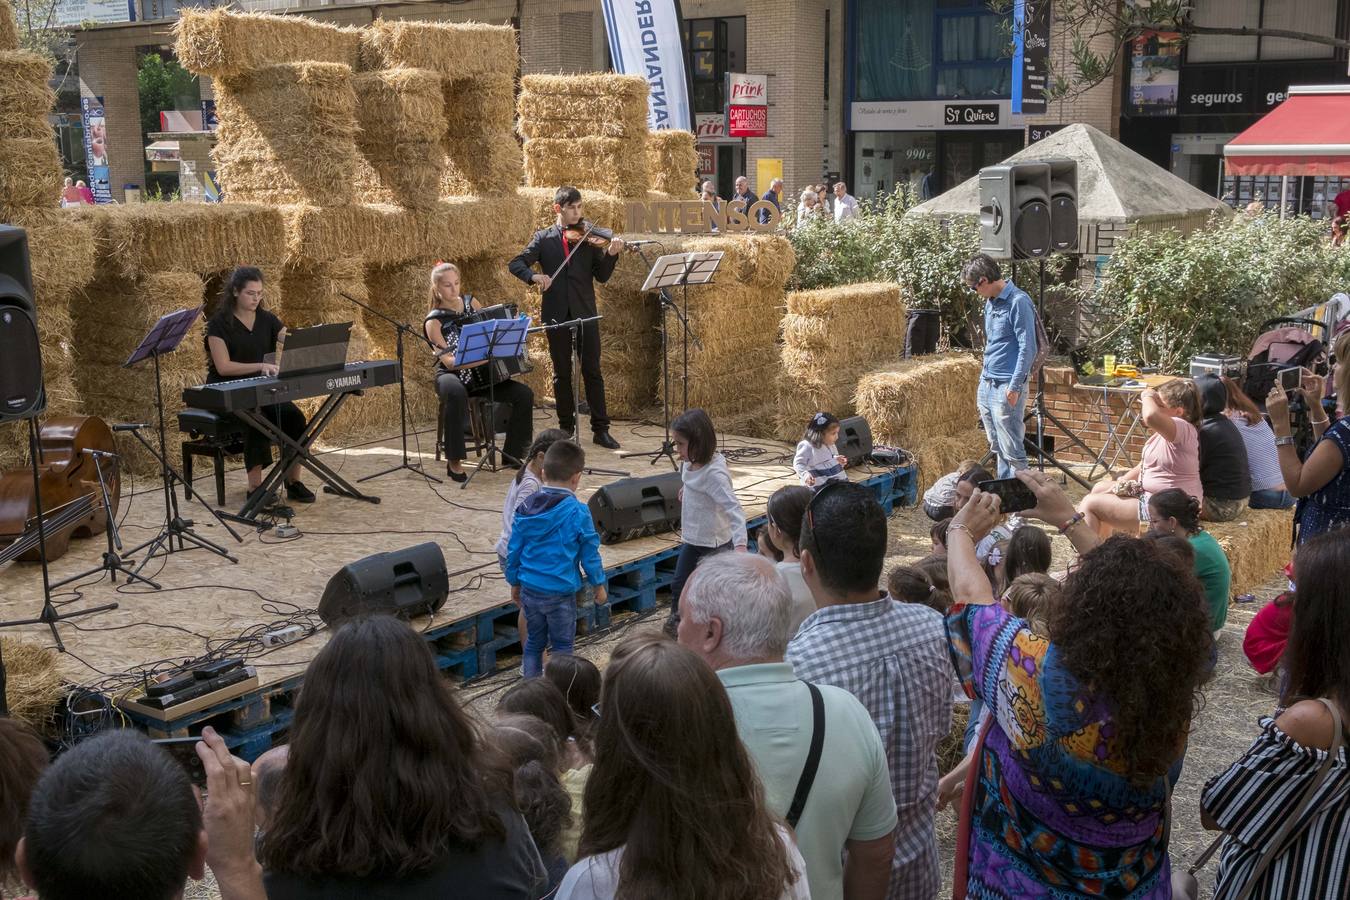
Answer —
1286 441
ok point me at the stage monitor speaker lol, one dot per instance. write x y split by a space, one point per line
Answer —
1063 205
21 393
405 583
1015 210
636 507
855 440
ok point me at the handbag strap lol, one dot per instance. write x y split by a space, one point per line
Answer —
808 776
964 824
1290 829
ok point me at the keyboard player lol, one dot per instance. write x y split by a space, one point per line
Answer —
238 337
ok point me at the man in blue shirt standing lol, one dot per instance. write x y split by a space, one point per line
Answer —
1009 348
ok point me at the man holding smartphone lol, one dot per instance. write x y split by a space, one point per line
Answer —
1009 348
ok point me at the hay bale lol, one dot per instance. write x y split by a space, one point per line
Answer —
223 43
603 86
921 398
485 164
936 455
451 49
1257 546
673 160
186 237
25 96
831 338
288 134
603 209
401 113
578 106
30 174
61 248
34 683
9 29
615 166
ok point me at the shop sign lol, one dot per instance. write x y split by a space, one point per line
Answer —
711 128
1037 133
707 161
1155 71
1216 90
747 105
73 13
96 148
930 115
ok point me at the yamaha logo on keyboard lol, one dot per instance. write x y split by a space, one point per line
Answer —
345 381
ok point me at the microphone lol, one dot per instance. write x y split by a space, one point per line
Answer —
633 245
92 452
130 426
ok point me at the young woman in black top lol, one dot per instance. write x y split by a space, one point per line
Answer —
238 336
456 384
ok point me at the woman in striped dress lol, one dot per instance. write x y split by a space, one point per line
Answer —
1251 801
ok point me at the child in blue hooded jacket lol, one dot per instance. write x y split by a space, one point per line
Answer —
551 537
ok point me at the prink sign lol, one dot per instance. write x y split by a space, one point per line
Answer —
644 39
970 113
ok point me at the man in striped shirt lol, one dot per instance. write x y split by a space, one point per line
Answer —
891 656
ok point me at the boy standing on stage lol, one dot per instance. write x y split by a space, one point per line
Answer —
552 536
571 296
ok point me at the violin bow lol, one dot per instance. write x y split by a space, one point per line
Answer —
590 226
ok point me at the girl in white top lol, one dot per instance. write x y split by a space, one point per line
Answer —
673 805
711 517
816 460
786 508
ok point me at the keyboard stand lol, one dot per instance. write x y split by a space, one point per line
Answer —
293 451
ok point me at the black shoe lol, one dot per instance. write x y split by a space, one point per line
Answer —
269 501
604 439
297 492
456 477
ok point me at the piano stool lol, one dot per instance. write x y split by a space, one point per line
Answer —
481 417
213 434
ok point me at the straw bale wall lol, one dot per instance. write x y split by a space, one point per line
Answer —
589 131
450 49
1257 545
401 113
225 43
831 338
184 237
482 150
673 160
9 29
288 134
25 95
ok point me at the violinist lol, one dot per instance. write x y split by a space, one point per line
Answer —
572 296
455 384
239 335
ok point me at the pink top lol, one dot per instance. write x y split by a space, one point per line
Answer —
1268 634
1173 464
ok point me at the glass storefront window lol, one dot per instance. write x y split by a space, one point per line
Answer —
883 159
716 47
929 50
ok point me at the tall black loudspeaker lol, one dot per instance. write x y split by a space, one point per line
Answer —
855 440
405 583
21 393
636 507
1063 205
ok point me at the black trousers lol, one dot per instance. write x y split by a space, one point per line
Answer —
922 329
455 400
560 351
258 446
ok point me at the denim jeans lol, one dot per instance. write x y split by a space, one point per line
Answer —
1003 425
1270 499
685 563
550 621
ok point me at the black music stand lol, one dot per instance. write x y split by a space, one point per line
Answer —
164 338
483 342
682 269
575 326
112 559
400 328
49 616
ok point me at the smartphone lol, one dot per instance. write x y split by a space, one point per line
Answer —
1013 495
184 751
1290 379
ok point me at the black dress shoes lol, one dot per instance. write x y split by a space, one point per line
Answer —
604 439
456 477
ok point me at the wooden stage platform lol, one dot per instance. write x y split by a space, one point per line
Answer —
207 604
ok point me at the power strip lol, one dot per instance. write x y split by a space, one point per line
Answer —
286 530
287 635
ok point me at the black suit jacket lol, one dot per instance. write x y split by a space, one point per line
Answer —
572 294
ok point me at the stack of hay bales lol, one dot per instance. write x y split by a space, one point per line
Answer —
401 113
589 131
1257 545
831 338
927 406
673 159
60 248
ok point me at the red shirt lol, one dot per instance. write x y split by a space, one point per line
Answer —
1268 633
1343 203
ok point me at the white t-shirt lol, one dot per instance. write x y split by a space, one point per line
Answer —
803 604
597 877
845 207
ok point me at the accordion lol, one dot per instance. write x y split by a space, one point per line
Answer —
498 369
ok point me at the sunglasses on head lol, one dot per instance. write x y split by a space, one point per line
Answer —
810 507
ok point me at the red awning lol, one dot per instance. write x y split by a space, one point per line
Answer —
1308 134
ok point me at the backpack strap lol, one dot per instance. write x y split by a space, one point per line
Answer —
808 776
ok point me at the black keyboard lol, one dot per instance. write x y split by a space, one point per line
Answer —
251 393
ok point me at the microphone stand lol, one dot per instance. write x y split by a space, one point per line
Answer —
112 560
575 326
399 328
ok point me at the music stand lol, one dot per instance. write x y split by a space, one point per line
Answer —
483 342
675 269
164 337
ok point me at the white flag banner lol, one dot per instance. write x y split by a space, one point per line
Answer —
644 39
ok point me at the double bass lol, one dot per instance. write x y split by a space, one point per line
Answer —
66 472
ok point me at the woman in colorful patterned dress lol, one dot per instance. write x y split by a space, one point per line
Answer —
1087 721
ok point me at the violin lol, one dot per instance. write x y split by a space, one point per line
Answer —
65 474
597 236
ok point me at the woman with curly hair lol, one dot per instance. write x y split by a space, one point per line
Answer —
674 810
1087 720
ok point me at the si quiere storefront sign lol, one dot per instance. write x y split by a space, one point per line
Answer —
699 217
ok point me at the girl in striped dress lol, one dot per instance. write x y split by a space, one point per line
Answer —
1252 800
816 460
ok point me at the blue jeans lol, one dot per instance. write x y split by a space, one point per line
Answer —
1270 499
550 621
1003 425
688 560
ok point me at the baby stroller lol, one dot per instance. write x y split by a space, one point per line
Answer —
1285 343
